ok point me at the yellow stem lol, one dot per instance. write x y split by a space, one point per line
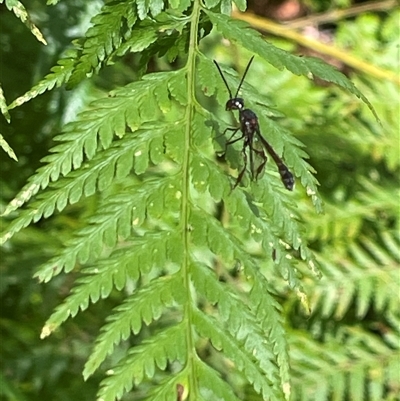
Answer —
273 28
339 14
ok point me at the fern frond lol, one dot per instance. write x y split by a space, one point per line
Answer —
212 387
98 174
265 308
58 76
236 317
244 360
266 225
167 388
114 220
339 222
7 148
142 37
102 38
239 32
140 258
362 278
340 368
3 105
346 220
145 6
379 278
268 313
166 346
20 12
379 197
145 305
166 214
205 231
108 117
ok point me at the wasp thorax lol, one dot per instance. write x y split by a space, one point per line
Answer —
236 103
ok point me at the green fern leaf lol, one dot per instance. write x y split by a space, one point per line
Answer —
237 319
7 148
207 231
69 190
111 220
175 87
241 5
239 205
267 312
180 6
202 270
20 12
102 38
226 7
239 32
165 212
58 76
142 37
98 281
212 387
3 106
146 305
309 358
167 389
355 279
103 120
142 360
146 6
209 327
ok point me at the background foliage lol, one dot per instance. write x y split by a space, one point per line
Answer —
346 348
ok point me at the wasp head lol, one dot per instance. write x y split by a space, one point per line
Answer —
236 103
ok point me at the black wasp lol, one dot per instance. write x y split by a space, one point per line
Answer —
251 135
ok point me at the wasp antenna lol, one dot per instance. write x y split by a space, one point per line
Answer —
223 78
244 76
